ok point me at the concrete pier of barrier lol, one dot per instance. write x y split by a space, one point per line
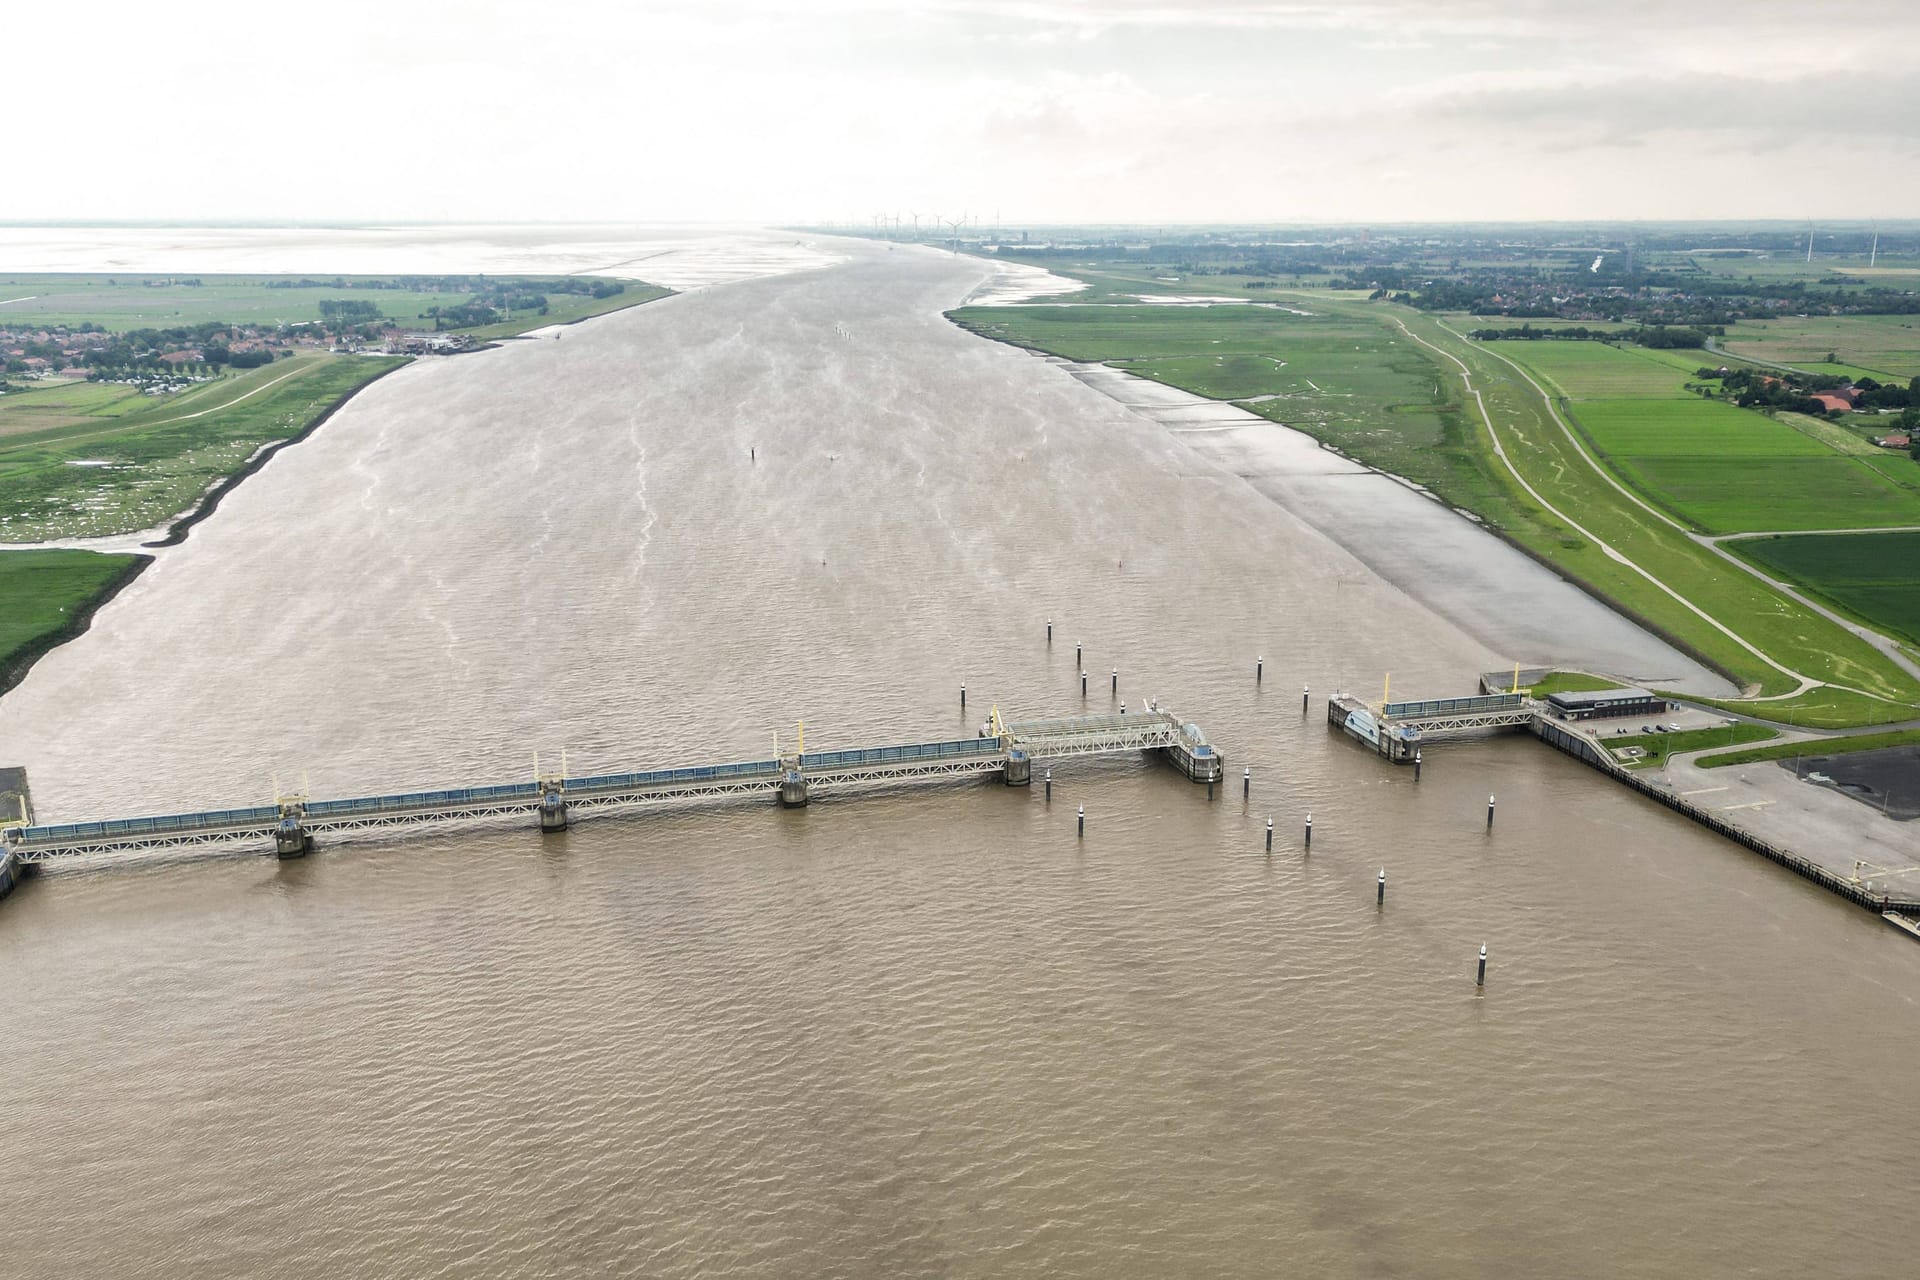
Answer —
11 871
553 806
16 814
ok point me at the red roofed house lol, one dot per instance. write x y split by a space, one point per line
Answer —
1832 403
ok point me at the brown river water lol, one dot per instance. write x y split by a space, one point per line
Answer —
925 1032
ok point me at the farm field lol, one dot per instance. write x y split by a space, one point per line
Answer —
120 303
1716 467
1599 370
1884 347
1867 575
48 405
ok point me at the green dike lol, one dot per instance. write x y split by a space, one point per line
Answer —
1822 707
46 597
1819 747
1346 374
1773 623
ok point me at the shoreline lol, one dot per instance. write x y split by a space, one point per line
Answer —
1777 846
1252 420
15 667
210 500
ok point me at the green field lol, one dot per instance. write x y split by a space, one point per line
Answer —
1599 370
119 303
1886 348
1816 747
1870 576
1660 746
42 593
47 405
1718 468
123 472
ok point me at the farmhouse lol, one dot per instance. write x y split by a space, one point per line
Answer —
1833 403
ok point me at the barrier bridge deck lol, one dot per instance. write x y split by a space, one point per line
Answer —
1008 753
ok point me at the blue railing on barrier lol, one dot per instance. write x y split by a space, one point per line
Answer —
423 800
266 816
664 777
261 815
954 749
1481 702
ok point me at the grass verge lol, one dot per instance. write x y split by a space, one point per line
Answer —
50 597
1821 747
1659 746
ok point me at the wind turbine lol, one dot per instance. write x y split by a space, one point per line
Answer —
1874 254
1809 240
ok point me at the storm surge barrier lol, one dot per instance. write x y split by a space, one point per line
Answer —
290 826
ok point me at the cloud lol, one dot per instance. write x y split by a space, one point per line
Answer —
1099 110
1882 107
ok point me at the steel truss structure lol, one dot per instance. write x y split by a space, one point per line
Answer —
1040 740
1433 728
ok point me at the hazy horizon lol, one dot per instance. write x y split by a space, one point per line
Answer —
1031 112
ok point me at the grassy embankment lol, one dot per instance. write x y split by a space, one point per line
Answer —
48 598
81 459
1672 580
132 468
1351 374
83 462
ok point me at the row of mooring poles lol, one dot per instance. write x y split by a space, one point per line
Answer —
1246 778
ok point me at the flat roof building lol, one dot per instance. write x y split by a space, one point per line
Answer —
1598 704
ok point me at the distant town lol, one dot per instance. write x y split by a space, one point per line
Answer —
164 359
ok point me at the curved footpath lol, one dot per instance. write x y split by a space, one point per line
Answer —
1887 646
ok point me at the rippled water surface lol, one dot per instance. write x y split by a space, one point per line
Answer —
928 1032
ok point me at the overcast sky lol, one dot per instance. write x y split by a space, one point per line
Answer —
1032 110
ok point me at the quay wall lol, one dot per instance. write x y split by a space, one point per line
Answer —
1584 749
